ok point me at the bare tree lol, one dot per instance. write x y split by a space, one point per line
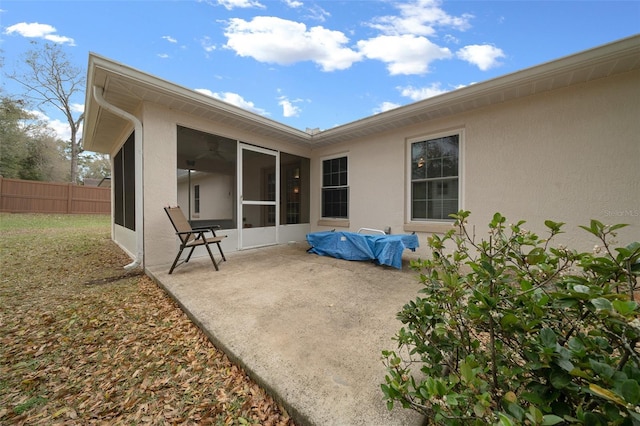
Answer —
50 79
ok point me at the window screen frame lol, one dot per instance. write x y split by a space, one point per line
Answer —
123 182
447 179
334 181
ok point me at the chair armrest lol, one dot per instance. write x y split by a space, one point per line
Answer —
203 229
198 234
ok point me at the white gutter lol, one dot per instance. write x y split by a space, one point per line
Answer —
139 205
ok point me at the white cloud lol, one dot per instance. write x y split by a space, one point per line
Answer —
77 107
163 56
288 107
293 3
317 13
207 44
420 17
234 99
405 54
483 56
385 106
242 4
61 128
170 39
420 93
37 30
405 44
60 39
34 29
448 38
275 40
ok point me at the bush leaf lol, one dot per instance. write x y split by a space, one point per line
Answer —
631 391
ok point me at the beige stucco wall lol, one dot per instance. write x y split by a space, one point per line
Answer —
572 156
569 155
160 183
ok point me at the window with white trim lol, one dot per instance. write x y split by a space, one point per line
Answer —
196 198
335 188
434 178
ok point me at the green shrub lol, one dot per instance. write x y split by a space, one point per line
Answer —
511 330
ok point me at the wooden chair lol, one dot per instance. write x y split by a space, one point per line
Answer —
193 237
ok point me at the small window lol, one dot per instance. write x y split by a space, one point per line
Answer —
434 178
335 188
196 198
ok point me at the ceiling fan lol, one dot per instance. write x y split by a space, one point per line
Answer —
212 152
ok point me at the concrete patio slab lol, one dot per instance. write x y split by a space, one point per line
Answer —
309 329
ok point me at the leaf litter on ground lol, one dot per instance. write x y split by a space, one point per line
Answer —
82 342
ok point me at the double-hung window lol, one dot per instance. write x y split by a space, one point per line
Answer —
434 178
335 188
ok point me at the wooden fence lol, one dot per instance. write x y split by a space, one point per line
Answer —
26 196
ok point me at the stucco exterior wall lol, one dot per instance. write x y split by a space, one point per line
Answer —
569 155
125 238
160 178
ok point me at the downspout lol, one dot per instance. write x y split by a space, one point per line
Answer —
139 205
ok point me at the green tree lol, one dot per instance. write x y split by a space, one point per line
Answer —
29 149
94 165
51 80
13 137
45 160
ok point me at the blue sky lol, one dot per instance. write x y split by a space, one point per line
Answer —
314 64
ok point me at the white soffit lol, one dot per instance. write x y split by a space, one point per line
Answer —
128 89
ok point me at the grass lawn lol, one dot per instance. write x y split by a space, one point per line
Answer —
82 342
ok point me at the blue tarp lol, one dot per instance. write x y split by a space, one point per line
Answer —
382 249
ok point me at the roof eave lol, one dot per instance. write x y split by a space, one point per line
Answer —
466 98
114 70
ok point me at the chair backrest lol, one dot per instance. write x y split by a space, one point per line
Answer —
179 222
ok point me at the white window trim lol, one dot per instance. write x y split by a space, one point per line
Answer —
335 221
432 225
